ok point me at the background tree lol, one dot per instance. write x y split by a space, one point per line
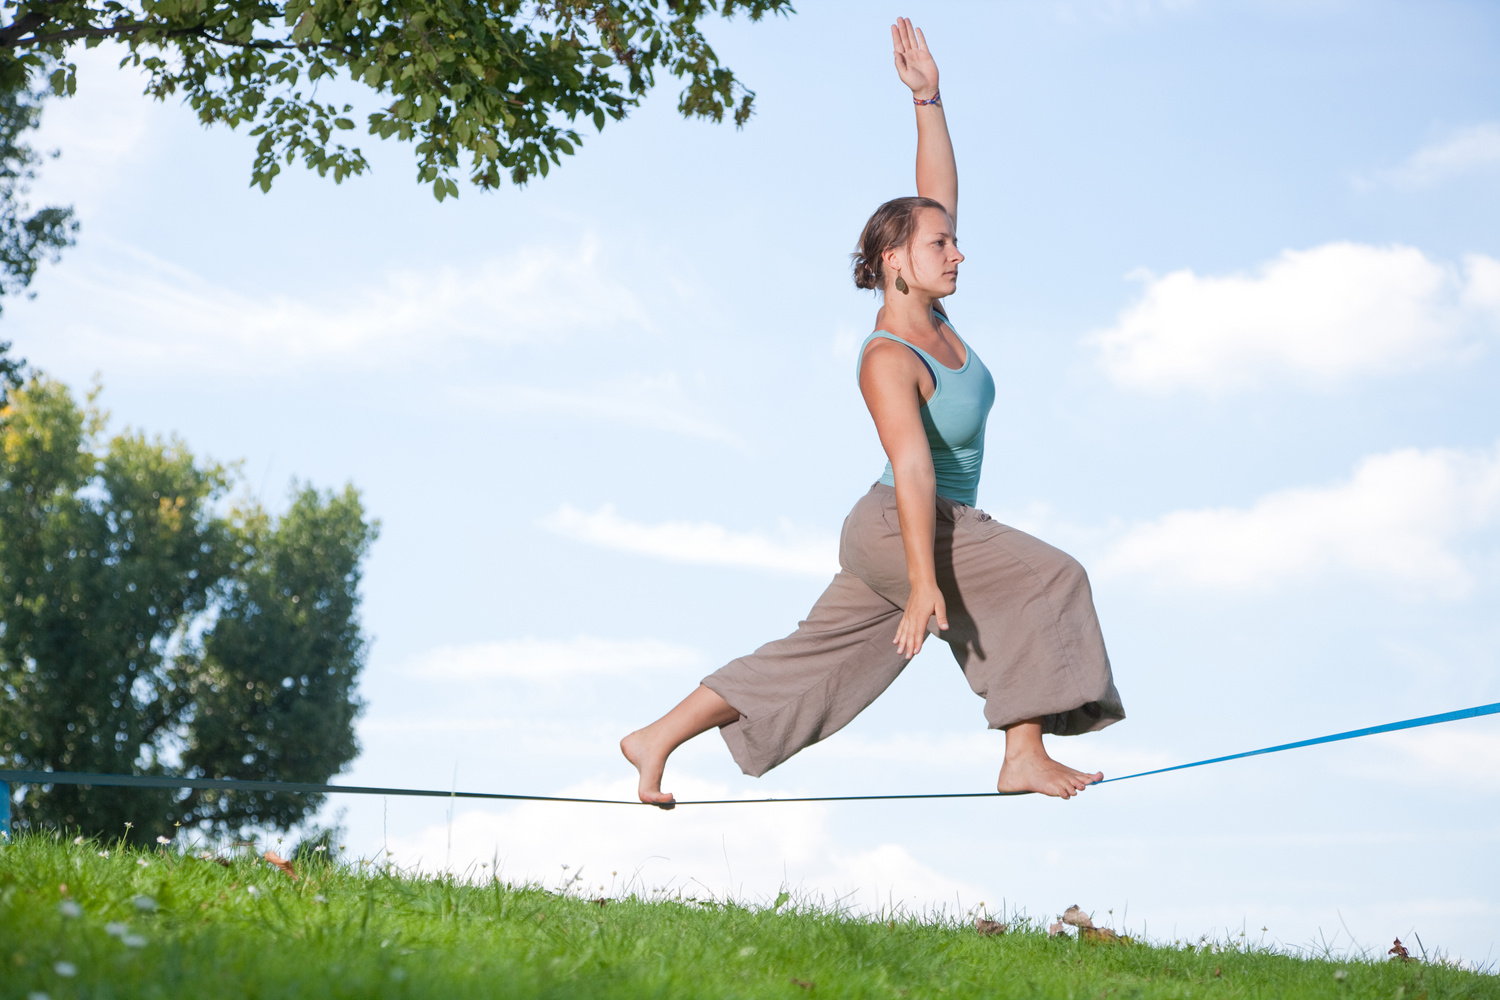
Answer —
26 238
143 631
500 82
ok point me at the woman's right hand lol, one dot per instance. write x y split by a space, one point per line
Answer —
914 63
926 602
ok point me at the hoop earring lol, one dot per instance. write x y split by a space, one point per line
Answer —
901 284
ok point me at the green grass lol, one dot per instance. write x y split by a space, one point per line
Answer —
182 927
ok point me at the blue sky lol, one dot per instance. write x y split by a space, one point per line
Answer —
1236 269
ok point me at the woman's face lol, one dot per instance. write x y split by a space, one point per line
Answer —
930 263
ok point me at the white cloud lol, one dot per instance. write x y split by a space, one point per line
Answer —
108 121
1319 316
1462 755
1395 520
700 542
656 402
1465 151
129 308
749 853
553 659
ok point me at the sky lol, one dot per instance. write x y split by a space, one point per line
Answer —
1235 267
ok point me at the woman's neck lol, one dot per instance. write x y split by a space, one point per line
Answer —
907 315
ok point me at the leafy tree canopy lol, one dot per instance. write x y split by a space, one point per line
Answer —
146 628
499 83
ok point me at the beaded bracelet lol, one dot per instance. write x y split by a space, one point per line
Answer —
936 98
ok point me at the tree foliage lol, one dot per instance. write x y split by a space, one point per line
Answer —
26 238
499 83
144 630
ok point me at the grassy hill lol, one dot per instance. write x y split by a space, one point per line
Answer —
74 923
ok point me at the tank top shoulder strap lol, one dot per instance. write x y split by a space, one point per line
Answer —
921 356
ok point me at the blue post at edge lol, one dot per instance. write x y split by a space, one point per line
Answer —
4 812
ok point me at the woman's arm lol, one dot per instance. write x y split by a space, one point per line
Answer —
937 171
891 380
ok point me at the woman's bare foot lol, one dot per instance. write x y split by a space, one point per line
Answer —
1040 773
650 759
649 748
1029 768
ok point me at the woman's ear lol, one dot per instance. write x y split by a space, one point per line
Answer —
894 260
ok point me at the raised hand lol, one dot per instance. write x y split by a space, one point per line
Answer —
914 62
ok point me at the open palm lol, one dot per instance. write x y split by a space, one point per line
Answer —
914 62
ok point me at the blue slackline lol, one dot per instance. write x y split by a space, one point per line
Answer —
236 785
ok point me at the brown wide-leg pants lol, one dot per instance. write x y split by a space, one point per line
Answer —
1021 624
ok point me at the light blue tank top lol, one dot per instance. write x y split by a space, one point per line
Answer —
954 418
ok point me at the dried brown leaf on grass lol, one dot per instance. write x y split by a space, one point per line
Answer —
1075 916
988 926
281 863
805 984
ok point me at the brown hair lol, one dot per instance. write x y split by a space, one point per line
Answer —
894 224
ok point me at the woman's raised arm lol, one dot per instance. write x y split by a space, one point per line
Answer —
937 171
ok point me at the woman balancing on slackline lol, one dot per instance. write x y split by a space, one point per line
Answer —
915 556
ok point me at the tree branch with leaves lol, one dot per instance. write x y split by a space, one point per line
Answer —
488 88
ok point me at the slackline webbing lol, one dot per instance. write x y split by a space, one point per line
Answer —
228 784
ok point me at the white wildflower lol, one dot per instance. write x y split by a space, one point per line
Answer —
143 862
103 854
133 941
163 840
68 908
144 903
319 849
116 929
78 839
38 995
252 890
65 969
